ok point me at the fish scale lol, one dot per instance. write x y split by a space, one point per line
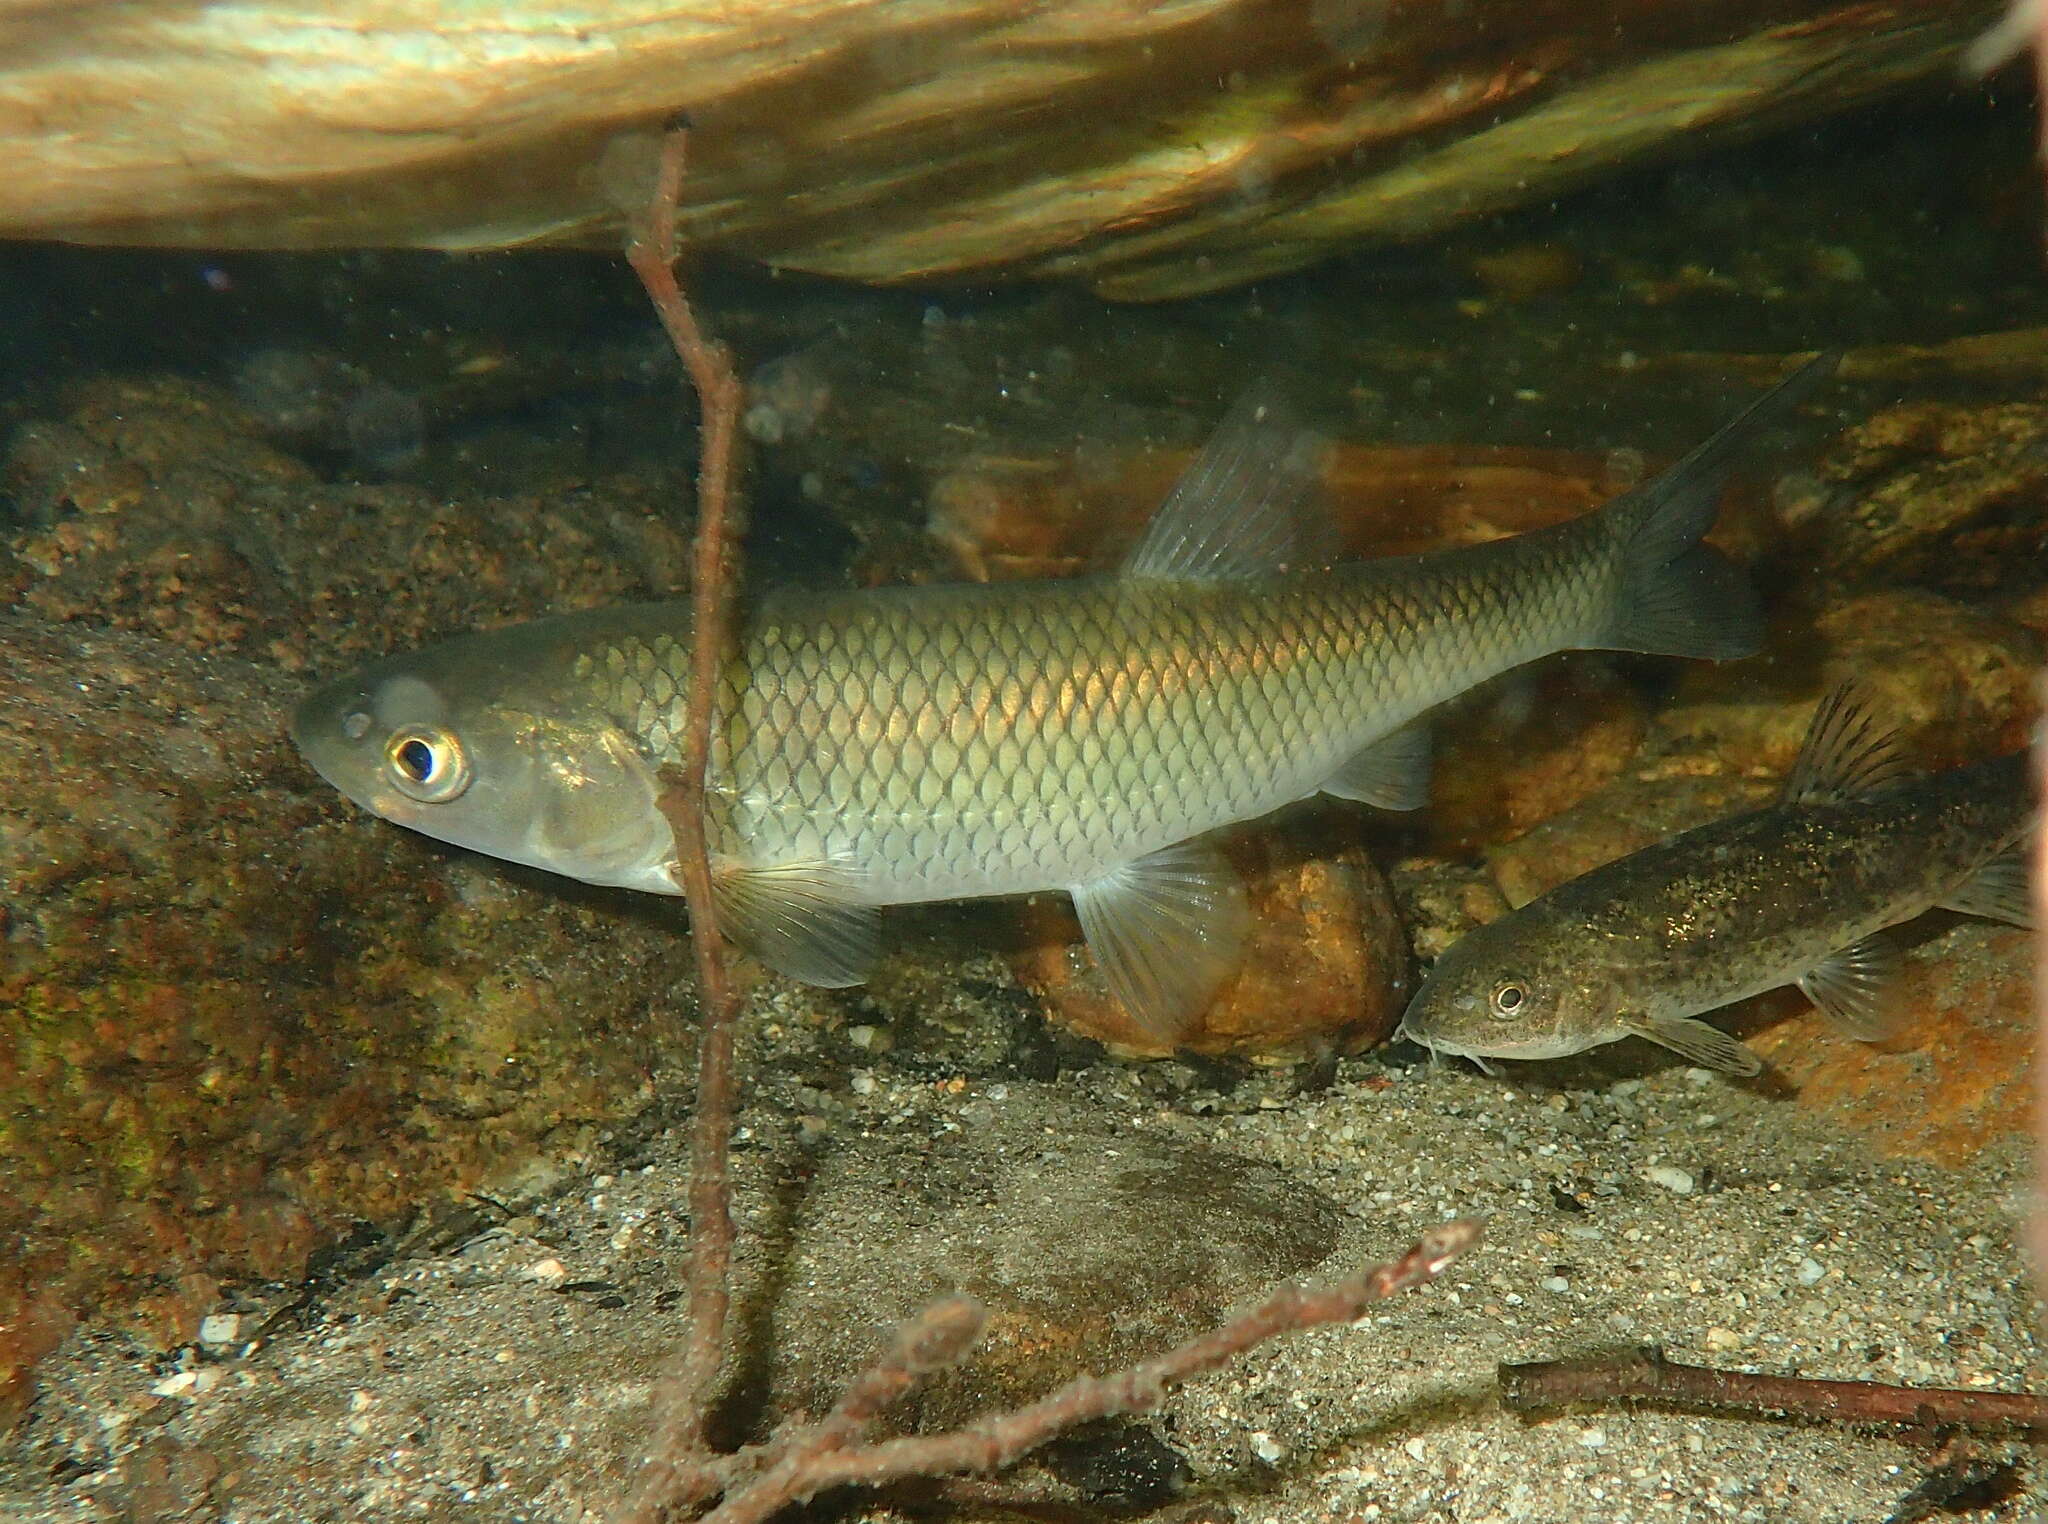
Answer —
902 745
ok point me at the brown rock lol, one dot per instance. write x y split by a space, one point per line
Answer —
1956 1079
1527 747
155 506
1326 964
1624 817
1004 517
1091 1245
1953 499
1956 682
1153 152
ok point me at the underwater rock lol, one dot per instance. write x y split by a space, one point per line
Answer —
1942 497
1152 151
1527 747
1956 1078
244 1020
1325 966
155 505
1649 804
1092 1245
1957 682
1006 516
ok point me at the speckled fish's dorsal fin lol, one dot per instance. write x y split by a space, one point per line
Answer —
1392 773
799 919
1167 929
1857 989
1998 891
1695 1041
1239 508
1847 753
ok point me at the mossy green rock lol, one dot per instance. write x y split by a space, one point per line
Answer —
238 1017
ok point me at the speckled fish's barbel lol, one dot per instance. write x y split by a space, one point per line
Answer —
1800 892
913 744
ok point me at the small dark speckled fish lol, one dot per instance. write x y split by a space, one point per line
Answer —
1799 893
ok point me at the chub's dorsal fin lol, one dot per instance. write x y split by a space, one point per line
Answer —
1238 509
1847 753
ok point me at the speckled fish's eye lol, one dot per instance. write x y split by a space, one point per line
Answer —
1508 999
426 763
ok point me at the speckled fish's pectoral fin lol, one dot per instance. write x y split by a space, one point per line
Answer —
1999 891
1237 510
1847 753
1392 773
1168 930
1695 1041
799 919
1857 989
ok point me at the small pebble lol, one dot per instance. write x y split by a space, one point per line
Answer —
1556 1283
1267 1448
548 1272
220 1329
1810 1271
1593 1439
1670 1177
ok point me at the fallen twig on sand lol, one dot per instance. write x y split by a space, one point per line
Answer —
1644 1375
801 1460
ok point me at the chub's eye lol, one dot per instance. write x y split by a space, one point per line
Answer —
1508 999
426 763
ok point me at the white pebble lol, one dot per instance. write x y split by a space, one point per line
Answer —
1670 1177
862 1083
1810 1271
1556 1283
1266 1447
1416 1449
1593 1439
549 1271
219 1329
177 1384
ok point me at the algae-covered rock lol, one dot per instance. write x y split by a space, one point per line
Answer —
238 1017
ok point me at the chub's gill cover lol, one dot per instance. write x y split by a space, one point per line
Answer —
902 745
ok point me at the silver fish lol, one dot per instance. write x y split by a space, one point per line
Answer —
1800 892
913 744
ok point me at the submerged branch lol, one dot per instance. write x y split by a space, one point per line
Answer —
681 1467
1644 1375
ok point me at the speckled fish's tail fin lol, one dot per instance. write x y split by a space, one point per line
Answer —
1678 596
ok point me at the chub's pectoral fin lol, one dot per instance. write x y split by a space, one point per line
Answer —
797 918
1695 1041
1168 930
1999 891
1392 773
1857 988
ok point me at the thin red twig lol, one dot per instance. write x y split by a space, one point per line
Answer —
714 567
996 1441
1644 1375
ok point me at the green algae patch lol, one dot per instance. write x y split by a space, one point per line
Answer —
241 1017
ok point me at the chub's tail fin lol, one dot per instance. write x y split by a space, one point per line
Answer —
1677 596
